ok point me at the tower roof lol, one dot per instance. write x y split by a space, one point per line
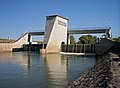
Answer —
57 16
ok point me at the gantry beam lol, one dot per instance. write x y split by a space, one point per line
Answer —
107 31
36 33
91 31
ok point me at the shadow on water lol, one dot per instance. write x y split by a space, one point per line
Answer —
32 70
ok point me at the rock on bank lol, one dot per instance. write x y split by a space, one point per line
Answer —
105 74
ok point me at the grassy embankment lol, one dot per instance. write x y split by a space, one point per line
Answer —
6 40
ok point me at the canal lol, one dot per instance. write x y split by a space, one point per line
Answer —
32 70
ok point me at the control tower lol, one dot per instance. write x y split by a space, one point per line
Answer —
55 33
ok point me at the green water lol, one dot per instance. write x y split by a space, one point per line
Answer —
32 70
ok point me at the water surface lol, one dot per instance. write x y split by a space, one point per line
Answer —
32 70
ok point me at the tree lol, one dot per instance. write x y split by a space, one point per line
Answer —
87 39
117 39
72 40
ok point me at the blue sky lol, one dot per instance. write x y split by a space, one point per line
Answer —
16 16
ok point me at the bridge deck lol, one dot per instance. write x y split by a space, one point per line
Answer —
92 31
79 31
36 33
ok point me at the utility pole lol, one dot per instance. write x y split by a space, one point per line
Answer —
108 22
30 28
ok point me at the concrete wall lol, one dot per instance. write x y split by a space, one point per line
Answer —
55 33
78 48
18 44
31 47
103 46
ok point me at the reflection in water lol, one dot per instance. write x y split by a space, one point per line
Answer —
56 70
20 58
32 70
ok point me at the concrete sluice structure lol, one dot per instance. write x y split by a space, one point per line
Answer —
31 47
78 49
57 33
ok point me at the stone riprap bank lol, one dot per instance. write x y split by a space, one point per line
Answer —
105 74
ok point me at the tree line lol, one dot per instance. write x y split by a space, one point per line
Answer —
88 39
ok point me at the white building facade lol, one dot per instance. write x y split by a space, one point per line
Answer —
55 33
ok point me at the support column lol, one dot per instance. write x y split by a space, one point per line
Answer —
67 38
109 33
29 39
67 42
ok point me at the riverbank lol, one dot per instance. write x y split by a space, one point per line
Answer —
105 74
6 40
